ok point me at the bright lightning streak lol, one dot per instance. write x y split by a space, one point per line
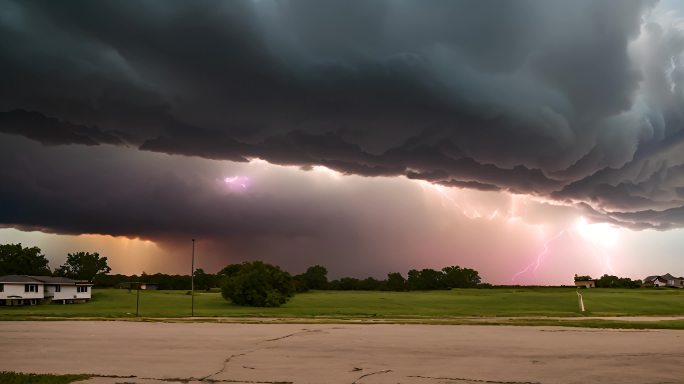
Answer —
237 183
598 239
447 199
540 256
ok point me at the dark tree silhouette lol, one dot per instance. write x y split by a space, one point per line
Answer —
83 266
18 260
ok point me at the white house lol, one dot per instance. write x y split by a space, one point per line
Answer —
22 290
585 283
666 280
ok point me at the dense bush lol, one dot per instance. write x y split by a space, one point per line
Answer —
258 284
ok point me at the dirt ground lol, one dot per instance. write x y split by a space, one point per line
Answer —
137 352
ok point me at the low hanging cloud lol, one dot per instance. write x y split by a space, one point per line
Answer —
579 102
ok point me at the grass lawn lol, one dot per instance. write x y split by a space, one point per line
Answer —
30 378
520 302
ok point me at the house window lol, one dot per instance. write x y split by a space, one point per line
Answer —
82 288
2 287
58 288
31 288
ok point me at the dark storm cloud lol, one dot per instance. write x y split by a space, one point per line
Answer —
135 194
577 101
50 131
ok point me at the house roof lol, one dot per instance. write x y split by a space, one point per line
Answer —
61 280
18 279
667 276
55 280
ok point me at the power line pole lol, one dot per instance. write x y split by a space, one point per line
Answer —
192 280
137 302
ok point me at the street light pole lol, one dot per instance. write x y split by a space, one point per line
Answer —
192 279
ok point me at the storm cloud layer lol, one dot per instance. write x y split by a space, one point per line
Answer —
579 102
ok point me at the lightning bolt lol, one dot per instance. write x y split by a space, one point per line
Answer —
588 235
599 254
237 182
446 199
540 256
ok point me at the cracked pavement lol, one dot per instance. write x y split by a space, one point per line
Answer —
122 352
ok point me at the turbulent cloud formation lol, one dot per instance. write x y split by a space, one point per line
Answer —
579 102
283 215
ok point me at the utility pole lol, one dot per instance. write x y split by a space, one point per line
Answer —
137 302
192 279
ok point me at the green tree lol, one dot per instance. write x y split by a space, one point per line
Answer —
370 284
204 281
83 266
609 281
425 279
315 277
583 278
18 260
396 282
230 270
300 284
258 284
457 277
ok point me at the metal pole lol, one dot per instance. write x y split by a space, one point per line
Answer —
192 279
137 302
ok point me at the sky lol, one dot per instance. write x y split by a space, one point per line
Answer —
528 140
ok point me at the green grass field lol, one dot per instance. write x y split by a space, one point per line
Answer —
521 302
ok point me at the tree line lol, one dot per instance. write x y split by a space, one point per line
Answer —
610 281
203 281
426 279
315 278
18 260
264 285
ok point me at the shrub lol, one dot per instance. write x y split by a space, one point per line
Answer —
258 284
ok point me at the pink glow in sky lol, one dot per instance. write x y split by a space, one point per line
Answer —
361 229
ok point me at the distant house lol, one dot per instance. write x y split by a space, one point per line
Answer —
136 285
585 283
29 290
666 280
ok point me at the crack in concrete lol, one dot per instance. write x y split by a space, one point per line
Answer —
475 380
303 332
371 374
229 358
208 378
225 365
185 380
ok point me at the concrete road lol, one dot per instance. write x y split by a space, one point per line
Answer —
135 352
